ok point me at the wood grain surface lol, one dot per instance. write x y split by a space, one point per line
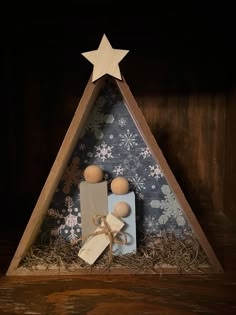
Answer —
118 295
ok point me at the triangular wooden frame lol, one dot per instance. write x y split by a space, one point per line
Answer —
81 114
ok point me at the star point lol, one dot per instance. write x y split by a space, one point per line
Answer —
105 59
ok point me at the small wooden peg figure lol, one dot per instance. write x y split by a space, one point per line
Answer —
93 198
120 185
121 209
93 174
121 203
121 215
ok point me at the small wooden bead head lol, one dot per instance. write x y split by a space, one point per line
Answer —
121 209
93 174
120 186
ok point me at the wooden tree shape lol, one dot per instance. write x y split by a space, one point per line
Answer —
76 128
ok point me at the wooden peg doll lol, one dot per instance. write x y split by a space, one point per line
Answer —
93 197
121 203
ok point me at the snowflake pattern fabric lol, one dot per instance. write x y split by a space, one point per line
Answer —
111 140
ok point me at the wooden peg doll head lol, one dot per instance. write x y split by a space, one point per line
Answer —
120 186
93 174
121 209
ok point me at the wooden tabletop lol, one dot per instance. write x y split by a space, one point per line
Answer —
108 295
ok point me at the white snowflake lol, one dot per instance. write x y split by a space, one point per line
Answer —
137 182
170 206
140 196
103 151
128 140
118 170
122 122
82 147
155 171
70 220
150 224
145 152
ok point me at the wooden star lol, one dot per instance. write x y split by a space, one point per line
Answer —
105 60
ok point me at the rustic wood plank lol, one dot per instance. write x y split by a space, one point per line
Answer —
118 295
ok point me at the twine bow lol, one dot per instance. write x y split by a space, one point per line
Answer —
106 229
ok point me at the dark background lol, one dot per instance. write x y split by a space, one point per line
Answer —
180 68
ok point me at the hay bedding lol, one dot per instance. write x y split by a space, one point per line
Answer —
185 255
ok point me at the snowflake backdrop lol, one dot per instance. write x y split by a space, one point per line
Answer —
111 140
